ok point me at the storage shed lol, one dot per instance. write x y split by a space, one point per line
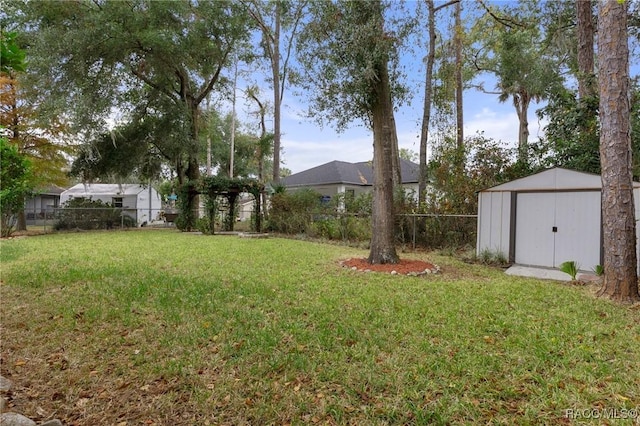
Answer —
546 219
142 203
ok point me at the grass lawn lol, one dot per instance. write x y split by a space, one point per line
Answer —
158 327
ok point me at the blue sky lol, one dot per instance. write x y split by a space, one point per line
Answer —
305 144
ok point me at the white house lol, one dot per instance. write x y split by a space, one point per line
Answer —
546 219
142 203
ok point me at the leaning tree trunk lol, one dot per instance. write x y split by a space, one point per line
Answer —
383 248
618 218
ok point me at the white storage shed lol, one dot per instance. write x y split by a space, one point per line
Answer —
142 203
546 219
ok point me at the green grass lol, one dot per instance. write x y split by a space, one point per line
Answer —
162 327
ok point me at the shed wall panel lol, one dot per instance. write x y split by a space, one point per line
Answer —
494 222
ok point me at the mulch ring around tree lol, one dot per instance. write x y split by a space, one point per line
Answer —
409 267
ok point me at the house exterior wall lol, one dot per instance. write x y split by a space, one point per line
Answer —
40 206
148 205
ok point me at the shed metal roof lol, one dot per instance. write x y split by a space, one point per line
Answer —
555 179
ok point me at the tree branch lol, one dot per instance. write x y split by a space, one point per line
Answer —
507 22
442 6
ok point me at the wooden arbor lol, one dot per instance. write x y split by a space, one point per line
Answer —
229 188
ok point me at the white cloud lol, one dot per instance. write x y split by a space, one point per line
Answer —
305 145
302 153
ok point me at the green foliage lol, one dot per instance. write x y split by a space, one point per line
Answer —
340 50
86 214
492 257
207 224
570 267
16 183
222 184
12 58
487 163
129 151
344 218
340 227
598 270
292 212
572 137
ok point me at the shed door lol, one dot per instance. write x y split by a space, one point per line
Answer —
552 228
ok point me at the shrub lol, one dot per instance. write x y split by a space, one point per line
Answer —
15 184
291 212
570 267
83 213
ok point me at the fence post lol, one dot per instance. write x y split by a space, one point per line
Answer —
414 232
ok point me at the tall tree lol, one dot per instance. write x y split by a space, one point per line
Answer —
428 95
457 41
586 64
16 176
618 222
513 50
42 143
351 57
100 54
279 22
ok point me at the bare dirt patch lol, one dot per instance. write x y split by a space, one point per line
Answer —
403 267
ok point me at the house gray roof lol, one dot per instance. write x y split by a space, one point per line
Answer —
342 172
49 190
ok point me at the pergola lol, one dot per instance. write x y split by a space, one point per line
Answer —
229 188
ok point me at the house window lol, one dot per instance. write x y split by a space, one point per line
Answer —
117 202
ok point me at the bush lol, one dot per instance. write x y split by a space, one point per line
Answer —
292 212
16 183
82 213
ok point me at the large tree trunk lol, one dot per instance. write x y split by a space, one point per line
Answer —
193 169
383 248
584 18
618 220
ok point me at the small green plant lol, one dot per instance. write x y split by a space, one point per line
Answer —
570 267
598 270
492 257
